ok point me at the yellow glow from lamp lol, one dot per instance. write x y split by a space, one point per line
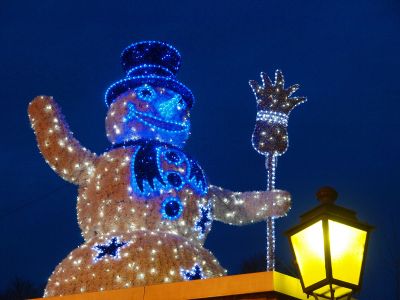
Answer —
308 245
347 246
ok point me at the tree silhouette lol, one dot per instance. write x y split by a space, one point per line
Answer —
21 289
256 263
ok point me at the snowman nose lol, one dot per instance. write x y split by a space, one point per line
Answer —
169 108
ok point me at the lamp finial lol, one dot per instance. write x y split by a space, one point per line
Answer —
327 195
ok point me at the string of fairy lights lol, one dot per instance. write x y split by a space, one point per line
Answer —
270 136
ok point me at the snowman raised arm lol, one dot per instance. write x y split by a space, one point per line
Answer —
144 203
61 150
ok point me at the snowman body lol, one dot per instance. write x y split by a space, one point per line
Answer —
146 186
122 260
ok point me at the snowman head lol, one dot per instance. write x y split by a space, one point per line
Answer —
150 103
149 112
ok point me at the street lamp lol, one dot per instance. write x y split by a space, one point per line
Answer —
329 246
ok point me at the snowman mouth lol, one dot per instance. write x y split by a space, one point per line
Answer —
152 121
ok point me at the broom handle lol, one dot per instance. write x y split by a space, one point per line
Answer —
270 165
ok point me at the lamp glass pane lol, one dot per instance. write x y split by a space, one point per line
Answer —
347 251
308 246
338 291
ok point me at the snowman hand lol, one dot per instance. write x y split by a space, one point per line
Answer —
239 208
274 203
59 148
274 96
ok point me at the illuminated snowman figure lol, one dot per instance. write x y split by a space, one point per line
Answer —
144 206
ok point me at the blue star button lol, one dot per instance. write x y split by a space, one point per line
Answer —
111 249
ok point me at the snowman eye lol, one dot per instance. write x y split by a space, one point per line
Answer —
146 93
181 104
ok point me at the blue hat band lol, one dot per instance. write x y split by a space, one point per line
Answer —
145 69
130 83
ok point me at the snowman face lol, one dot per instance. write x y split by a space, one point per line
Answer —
151 113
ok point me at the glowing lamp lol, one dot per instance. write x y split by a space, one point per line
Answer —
329 246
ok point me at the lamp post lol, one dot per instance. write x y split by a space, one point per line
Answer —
329 246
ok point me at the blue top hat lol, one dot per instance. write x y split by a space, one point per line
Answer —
149 62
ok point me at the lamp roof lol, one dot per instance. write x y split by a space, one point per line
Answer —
329 210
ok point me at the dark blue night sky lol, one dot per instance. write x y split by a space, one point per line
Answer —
345 55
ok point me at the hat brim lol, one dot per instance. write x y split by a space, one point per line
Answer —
130 83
